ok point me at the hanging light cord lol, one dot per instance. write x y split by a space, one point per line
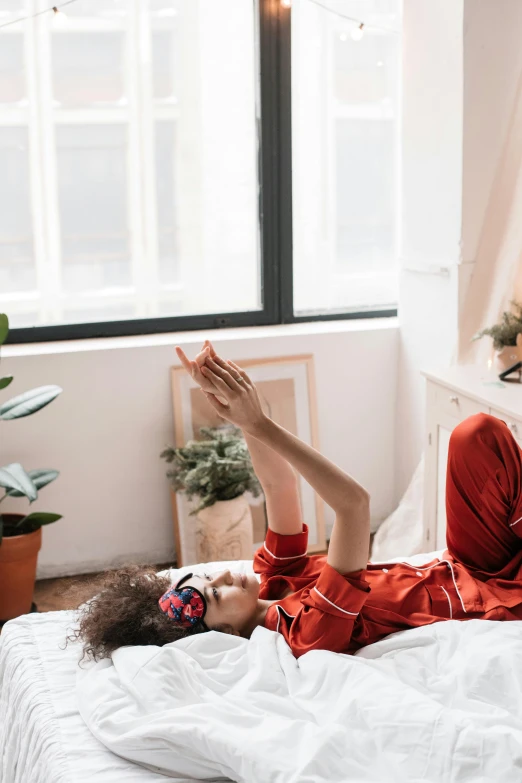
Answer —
54 8
351 18
315 2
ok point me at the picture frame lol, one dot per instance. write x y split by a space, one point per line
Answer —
286 386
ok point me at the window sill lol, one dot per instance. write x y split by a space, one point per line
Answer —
197 336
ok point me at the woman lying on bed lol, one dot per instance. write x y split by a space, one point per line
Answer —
339 602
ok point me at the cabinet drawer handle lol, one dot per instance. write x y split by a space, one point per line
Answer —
454 399
513 427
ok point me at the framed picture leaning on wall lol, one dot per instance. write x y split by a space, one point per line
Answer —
286 387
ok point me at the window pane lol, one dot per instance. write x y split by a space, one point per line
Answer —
88 68
97 8
165 201
365 231
92 191
17 272
164 49
12 69
152 205
345 150
205 154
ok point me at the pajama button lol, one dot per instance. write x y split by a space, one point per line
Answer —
419 573
385 570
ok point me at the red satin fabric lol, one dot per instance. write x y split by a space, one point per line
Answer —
479 575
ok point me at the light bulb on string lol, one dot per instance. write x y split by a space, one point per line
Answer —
357 32
59 18
286 3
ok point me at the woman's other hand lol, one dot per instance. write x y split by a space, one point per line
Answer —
194 367
231 383
235 401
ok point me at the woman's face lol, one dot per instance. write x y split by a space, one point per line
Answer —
232 598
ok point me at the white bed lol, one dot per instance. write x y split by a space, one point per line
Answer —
440 703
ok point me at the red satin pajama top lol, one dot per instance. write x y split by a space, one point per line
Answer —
344 612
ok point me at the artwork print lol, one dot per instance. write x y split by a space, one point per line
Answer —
286 387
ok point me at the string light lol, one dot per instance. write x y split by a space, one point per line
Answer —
357 33
286 3
59 19
55 10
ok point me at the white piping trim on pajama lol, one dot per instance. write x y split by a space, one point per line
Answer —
454 582
449 601
514 523
280 609
425 568
332 603
282 558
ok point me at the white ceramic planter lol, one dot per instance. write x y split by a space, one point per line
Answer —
224 531
505 358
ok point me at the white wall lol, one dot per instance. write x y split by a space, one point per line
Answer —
105 432
431 217
492 171
462 72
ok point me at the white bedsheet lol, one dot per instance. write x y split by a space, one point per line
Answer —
439 703
43 738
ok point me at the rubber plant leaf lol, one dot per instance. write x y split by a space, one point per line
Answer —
40 478
13 476
28 402
4 382
4 327
40 518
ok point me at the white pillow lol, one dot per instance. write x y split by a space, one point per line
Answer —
236 566
247 566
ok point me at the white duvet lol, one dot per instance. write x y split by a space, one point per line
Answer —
438 703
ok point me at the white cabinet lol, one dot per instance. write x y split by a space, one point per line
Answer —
453 394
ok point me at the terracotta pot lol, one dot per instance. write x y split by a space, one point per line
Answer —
224 531
18 557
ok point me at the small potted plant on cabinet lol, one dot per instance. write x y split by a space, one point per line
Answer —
21 534
507 338
218 470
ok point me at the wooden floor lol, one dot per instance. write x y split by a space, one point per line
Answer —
52 595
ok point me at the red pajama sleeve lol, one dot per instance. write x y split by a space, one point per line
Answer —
328 612
282 554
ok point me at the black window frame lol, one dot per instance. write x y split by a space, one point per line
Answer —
273 42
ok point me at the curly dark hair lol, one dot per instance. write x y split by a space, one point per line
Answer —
126 612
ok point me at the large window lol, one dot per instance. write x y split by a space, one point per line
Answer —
151 166
345 115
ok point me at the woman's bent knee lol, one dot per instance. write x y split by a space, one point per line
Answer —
475 429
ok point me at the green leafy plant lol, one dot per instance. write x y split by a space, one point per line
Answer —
504 333
217 467
13 478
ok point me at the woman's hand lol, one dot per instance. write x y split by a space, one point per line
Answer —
194 367
243 406
205 371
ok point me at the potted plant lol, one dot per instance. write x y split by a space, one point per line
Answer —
218 470
507 338
21 534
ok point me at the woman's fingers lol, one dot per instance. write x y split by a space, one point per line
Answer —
185 361
211 348
241 372
218 382
223 373
226 365
194 370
